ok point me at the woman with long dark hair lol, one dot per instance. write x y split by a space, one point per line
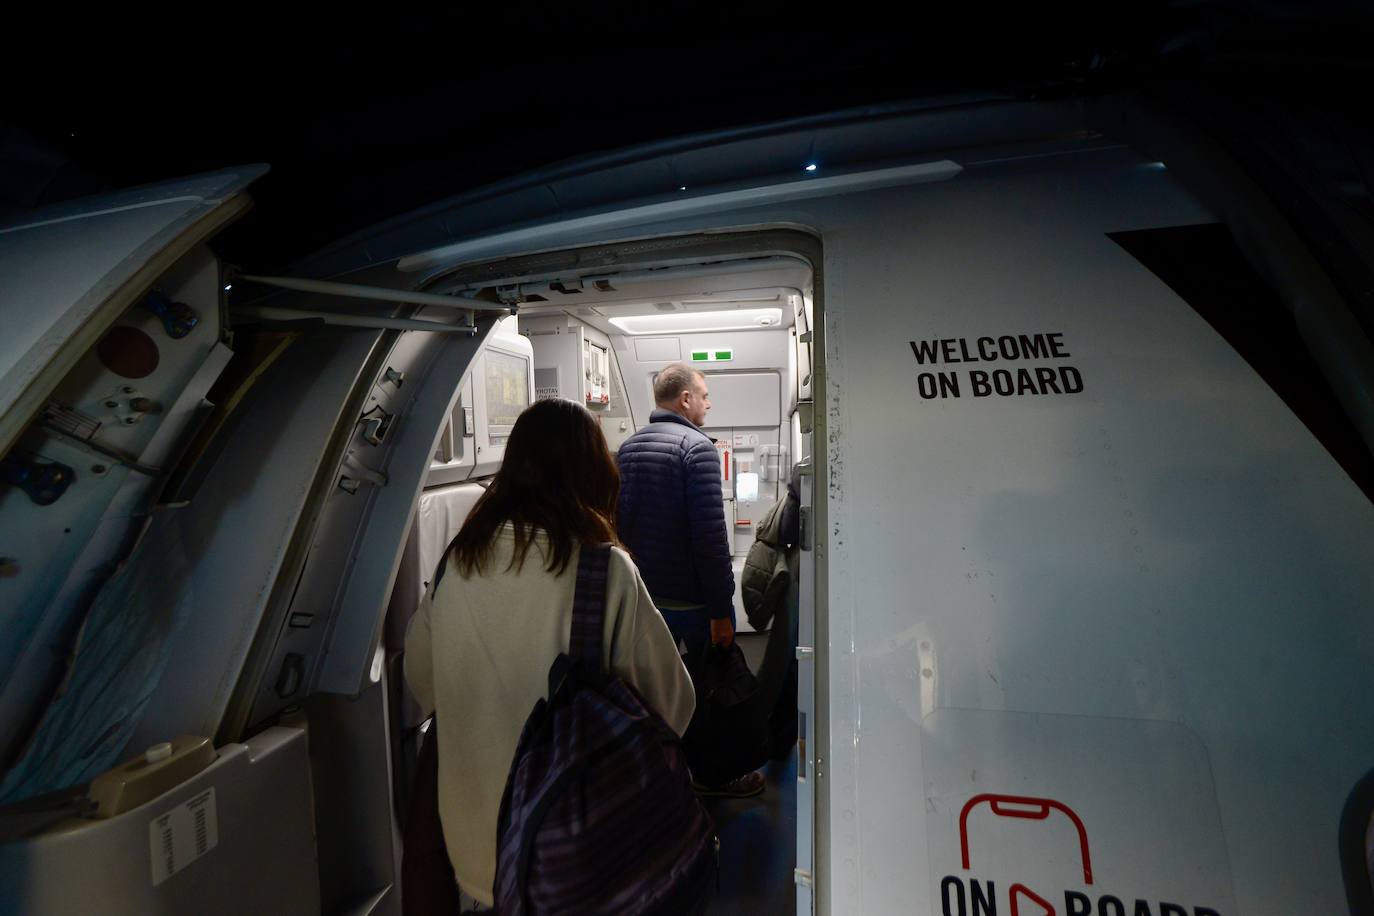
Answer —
478 651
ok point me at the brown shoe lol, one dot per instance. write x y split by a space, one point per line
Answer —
746 786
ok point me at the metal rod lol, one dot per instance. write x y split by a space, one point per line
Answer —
274 313
355 291
105 451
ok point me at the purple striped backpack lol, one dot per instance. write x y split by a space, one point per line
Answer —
599 815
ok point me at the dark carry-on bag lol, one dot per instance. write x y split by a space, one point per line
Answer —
599 815
428 887
726 738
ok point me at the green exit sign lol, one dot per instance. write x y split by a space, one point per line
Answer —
713 356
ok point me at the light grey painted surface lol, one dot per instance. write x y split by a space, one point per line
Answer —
356 826
258 484
1243 523
370 568
60 553
60 267
259 833
1145 550
753 350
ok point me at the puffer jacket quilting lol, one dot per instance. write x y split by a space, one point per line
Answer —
764 580
671 515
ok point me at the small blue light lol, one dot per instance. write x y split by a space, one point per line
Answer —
811 167
228 287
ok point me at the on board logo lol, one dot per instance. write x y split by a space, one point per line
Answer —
962 895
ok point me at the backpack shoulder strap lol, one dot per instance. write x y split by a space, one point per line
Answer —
589 604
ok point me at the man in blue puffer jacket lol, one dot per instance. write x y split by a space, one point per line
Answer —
671 517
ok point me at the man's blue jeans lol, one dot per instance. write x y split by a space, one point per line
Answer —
691 630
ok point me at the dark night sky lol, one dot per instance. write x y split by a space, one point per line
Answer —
364 118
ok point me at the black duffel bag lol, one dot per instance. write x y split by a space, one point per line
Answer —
726 738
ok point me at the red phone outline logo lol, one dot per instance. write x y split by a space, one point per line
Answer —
1040 809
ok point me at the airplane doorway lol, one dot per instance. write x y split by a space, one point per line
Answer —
745 308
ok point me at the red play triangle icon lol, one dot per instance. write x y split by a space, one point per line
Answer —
1020 890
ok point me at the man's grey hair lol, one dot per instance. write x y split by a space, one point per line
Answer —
674 379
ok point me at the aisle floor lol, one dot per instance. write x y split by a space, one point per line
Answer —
758 836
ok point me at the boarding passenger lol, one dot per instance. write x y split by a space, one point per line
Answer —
479 650
672 519
769 593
